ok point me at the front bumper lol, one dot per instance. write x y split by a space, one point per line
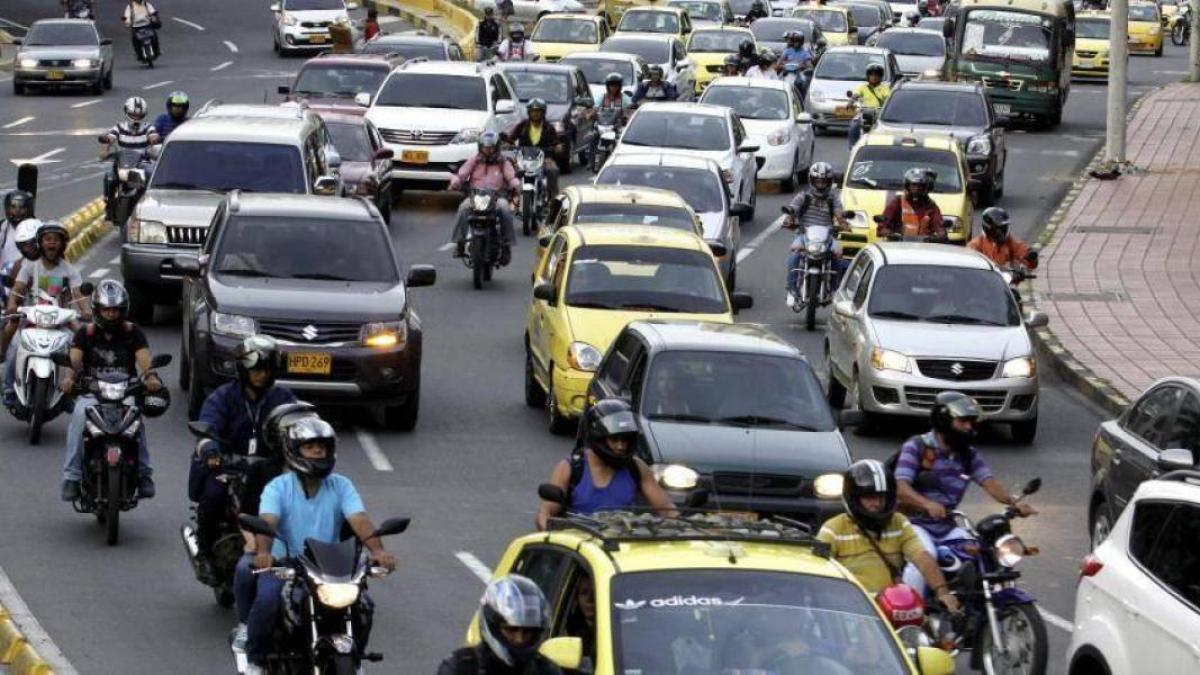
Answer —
823 113
297 37
912 395
440 165
1097 67
570 390
48 76
1146 45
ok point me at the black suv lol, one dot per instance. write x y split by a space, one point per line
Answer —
319 275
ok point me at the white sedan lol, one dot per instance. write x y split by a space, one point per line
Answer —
775 121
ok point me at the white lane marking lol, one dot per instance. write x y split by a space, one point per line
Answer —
17 123
99 272
446 246
1170 72
156 85
374 453
43 158
116 260
221 66
84 104
1059 153
1056 620
481 571
59 132
232 47
188 23
759 239
19 612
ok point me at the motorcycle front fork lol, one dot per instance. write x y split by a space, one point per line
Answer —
993 622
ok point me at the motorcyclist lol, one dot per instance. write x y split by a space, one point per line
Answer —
614 97
748 54
131 134
176 114
934 470
139 13
796 52
110 345
605 473
758 10
873 541
514 47
487 35
911 18
371 25
487 169
308 501
512 622
69 8
25 239
655 89
871 94
765 70
817 204
536 132
732 66
913 213
17 207
1001 247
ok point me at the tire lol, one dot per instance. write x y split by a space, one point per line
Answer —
108 79
527 224
1101 525
97 87
195 393
837 392
753 198
1158 52
112 517
731 280
1024 432
810 310
478 261
385 206
341 664
223 596
404 417
789 184
39 397
1177 35
1029 621
871 422
534 396
185 373
818 130
141 306
557 423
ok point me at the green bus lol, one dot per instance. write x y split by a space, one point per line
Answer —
1020 50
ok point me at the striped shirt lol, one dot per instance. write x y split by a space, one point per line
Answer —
849 546
132 136
943 478
820 208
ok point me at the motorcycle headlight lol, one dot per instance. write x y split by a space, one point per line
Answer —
886 359
675 476
1009 550
147 231
234 325
111 391
481 202
28 63
385 334
1025 366
582 356
779 136
828 486
979 145
609 135
467 136
337 596
815 247
83 63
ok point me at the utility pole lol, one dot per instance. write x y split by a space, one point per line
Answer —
1118 68
1194 44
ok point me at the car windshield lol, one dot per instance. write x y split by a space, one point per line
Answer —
650 22
677 130
1142 13
850 66
595 70
313 4
61 34
740 7
706 387
407 50
882 167
827 19
223 166
593 213
700 11
929 106
754 622
571 31
931 23
865 16
772 30
1005 35
304 248
701 189
1096 29
550 87
645 278
328 79
351 141
750 103
912 44
427 90
709 41
652 51
942 294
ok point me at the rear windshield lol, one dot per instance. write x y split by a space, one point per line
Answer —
704 11
351 141
570 31
338 80
1092 28
408 50
828 20
1143 13
716 41
305 248
223 166
634 214
595 70
912 44
67 34
313 4
677 130
650 22
550 87
702 190
653 51
944 108
864 15
750 103
851 66
426 90
769 30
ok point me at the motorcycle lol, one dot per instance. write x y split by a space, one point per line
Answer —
863 114
324 596
484 249
1181 26
531 167
1014 275
79 9
110 445
130 169
815 282
146 38
604 138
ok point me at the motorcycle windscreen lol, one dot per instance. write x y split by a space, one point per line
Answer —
335 562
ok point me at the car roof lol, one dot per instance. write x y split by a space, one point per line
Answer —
963 86
665 159
236 124
337 116
633 235
719 29
526 67
686 107
749 82
602 56
856 49
642 37
1183 485
408 38
679 335
1050 7
932 142
625 194
263 204
656 8
86 22
463 68
594 18
938 255
382 60
1094 14
817 8
907 30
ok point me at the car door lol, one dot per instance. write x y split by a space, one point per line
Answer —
1139 441
545 565
381 169
1185 429
999 145
541 336
569 618
804 130
500 92
1162 604
851 324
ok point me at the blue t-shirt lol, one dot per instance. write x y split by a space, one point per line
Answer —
948 481
300 518
588 498
797 55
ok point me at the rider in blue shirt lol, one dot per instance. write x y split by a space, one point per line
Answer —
177 114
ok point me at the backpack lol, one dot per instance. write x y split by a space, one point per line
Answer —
808 199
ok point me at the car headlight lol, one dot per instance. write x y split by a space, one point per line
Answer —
828 486
467 136
83 63
886 359
675 476
1025 366
1009 550
384 334
979 145
337 596
779 136
28 63
582 356
147 231
289 20
233 325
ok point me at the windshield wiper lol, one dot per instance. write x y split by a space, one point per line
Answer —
591 305
648 306
895 314
180 185
960 318
869 182
245 272
680 417
759 420
320 277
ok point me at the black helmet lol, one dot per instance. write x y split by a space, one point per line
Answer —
821 171
869 477
766 58
54 227
917 176
18 205
535 104
950 406
282 416
656 70
614 78
155 404
609 418
875 69
995 223
255 352
512 601
307 430
746 49
733 60
107 295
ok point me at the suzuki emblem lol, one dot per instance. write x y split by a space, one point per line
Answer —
310 333
418 133
957 369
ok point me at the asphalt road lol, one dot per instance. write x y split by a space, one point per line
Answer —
467 475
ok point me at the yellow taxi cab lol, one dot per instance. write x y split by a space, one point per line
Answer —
836 23
708 48
876 174
1092 45
706 13
705 593
557 35
660 20
1145 29
590 283
616 205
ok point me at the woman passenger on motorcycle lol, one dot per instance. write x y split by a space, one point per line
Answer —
817 204
614 97
999 246
536 132
913 213
732 66
490 170
139 13
605 474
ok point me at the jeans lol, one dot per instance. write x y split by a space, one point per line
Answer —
10 365
855 131
506 221
73 464
245 587
796 258
912 575
261 619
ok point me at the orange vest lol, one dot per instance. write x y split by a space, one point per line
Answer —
909 219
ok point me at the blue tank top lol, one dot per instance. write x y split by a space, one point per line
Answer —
588 498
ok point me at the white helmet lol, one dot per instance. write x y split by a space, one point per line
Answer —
26 238
135 109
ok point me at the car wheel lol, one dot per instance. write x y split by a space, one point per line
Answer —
871 422
1101 525
837 392
534 396
818 130
558 423
789 184
385 206
97 87
999 182
185 373
18 88
1024 432
1159 51
108 79
753 196
987 195
404 417
731 280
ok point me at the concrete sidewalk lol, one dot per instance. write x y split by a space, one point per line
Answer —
1120 278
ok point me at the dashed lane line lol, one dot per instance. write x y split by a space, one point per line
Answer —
99 273
156 85
232 47
1056 620
59 132
17 123
374 453
84 104
188 23
221 66
116 260
480 570
759 239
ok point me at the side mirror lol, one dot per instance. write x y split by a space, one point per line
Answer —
740 210
718 249
552 493
160 361
325 185
628 92
878 218
741 301
843 308
274 7
505 106
746 147
682 66
187 265
933 661
61 359
947 29
804 118
545 239
17 41
385 153
1031 487
363 99
421 275
391 526
284 89
544 292
1037 320
565 652
255 525
333 158
104 42
1176 458
848 418
352 5
1002 122
86 288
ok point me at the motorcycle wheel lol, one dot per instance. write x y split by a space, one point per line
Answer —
112 518
526 214
810 309
1025 633
1177 37
38 400
341 664
598 157
224 596
478 261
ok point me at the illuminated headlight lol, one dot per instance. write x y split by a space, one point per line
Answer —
886 359
816 247
675 476
1009 550
28 63
386 334
147 231
609 135
111 391
481 202
233 325
582 356
84 63
779 136
337 596
1025 366
979 145
289 20
931 73
467 136
828 486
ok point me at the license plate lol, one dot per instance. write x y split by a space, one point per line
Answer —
310 363
55 75
1001 108
316 39
113 455
843 112
415 156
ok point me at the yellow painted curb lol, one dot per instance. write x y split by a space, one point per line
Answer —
11 640
28 662
86 226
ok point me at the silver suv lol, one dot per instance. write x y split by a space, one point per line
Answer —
912 320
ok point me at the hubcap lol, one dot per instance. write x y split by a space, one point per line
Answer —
1019 637
1100 531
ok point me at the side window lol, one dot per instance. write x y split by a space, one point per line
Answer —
495 85
1150 418
637 378
455 53
1163 541
680 52
1185 430
560 272
553 258
542 564
739 133
860 294
502 91
854 275
577 611
616 365
311 164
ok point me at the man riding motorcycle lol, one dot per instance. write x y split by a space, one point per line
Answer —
766 67
934 470
487 35
799 60
73 9
817 204
131 134
732 66
176 114
139 13
308 501
109 345
512 622
536 132
871 94
487 169
655 89
999 246
748 54
913 213
515 48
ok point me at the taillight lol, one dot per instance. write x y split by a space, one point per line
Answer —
1090 566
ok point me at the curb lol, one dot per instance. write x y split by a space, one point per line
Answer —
440 20
86 226
16 653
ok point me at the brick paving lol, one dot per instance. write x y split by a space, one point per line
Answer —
1120 278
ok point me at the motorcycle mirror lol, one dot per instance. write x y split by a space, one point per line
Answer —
1031 487
284 89
160 360
421 275
105 42
87 287
848 214
255 525
391 526
385 153
552 493
61 359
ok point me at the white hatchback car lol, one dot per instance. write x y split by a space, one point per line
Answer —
776 122
663 50
303 25
842 69
1137 605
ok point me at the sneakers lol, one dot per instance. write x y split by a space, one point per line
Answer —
70 490
791 300
146 487
237 638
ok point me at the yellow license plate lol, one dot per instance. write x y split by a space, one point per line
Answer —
316 39
310 363
843 112
55 75
415 156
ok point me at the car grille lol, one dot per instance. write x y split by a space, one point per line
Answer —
410 137
186 236
434 167
956 370
549 59
729 482
1011 85
300 331
1085 55
315 24
55 63
990 401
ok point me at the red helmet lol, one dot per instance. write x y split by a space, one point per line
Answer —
902 605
